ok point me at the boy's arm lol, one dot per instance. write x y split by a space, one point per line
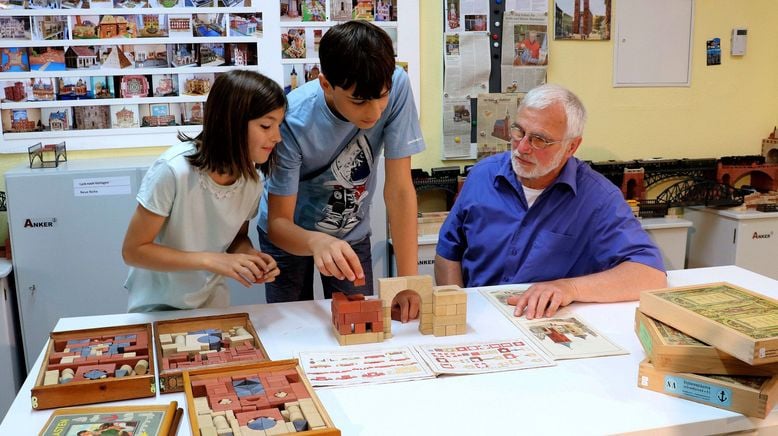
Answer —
401 207
332 256
400 198
448 272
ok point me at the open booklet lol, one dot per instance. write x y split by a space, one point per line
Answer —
342 368
562 337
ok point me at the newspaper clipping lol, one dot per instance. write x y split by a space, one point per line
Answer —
496 113
524 50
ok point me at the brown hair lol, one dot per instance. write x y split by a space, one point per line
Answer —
236 97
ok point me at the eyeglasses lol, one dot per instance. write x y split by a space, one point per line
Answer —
537 142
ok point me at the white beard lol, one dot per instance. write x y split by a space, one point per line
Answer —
538 170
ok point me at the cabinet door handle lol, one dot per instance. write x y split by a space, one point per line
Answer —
734 235
32 288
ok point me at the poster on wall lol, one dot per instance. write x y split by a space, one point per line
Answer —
587 20
713 51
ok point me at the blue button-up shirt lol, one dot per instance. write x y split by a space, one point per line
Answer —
579 225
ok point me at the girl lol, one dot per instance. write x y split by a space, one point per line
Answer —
190 228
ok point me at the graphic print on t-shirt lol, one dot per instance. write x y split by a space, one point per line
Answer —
351 170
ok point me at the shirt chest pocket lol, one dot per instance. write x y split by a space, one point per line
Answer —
551 256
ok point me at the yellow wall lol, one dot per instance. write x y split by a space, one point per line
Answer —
727 110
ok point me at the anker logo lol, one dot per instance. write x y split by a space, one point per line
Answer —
39 222
762 236
426 261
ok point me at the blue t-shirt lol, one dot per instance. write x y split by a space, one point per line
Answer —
579 225
330 163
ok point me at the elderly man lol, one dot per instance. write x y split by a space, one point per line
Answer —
538 215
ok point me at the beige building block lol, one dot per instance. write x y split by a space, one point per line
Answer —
201 405
389 287
51 377
204 421
245 431
311 413
450 319
165 338
451 309
462 309
208 431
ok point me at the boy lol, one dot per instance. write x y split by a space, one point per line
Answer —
315 210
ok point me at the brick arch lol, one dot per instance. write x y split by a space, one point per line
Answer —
764 177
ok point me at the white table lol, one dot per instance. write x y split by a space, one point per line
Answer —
584 396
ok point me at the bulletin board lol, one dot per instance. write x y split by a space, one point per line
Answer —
494 51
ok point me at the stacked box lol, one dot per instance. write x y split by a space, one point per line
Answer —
95 366
207 341
716 344
735 320
671 350
266 398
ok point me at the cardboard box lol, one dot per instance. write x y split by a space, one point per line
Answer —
671 350
271 396
737 321
95 357
751 396
173 360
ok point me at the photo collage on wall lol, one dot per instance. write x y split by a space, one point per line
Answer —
300 34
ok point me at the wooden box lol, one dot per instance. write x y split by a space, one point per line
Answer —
671 350
737 321
94 359
173 359
749 395
272 396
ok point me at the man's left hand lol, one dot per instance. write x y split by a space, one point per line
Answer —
405 306
545 298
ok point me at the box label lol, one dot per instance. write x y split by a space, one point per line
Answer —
645 339
698 391
102 186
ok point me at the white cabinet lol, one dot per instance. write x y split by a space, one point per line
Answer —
669 234
725 237
67 225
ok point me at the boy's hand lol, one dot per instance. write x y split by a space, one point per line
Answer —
335 257
405 306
